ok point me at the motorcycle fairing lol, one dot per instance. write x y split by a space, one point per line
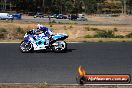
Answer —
60 36
39 42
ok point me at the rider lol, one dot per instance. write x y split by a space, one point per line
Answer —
45 30
41 29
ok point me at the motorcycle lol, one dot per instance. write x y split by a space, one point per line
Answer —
39 41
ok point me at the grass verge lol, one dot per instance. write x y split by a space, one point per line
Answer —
61 86
10 41
14 32
82 40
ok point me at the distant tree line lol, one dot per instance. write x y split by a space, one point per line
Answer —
68 6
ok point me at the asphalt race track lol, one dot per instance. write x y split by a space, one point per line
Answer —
61 68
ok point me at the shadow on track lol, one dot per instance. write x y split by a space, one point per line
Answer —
50 51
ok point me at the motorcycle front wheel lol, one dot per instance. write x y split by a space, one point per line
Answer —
59 46
26 47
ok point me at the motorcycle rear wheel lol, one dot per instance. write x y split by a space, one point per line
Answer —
59 46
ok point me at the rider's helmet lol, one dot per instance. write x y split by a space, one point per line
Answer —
39 26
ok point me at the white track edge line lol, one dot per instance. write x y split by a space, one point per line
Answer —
69 84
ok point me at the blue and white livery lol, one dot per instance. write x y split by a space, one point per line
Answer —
39 41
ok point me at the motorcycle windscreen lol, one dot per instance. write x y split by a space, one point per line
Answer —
26 39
